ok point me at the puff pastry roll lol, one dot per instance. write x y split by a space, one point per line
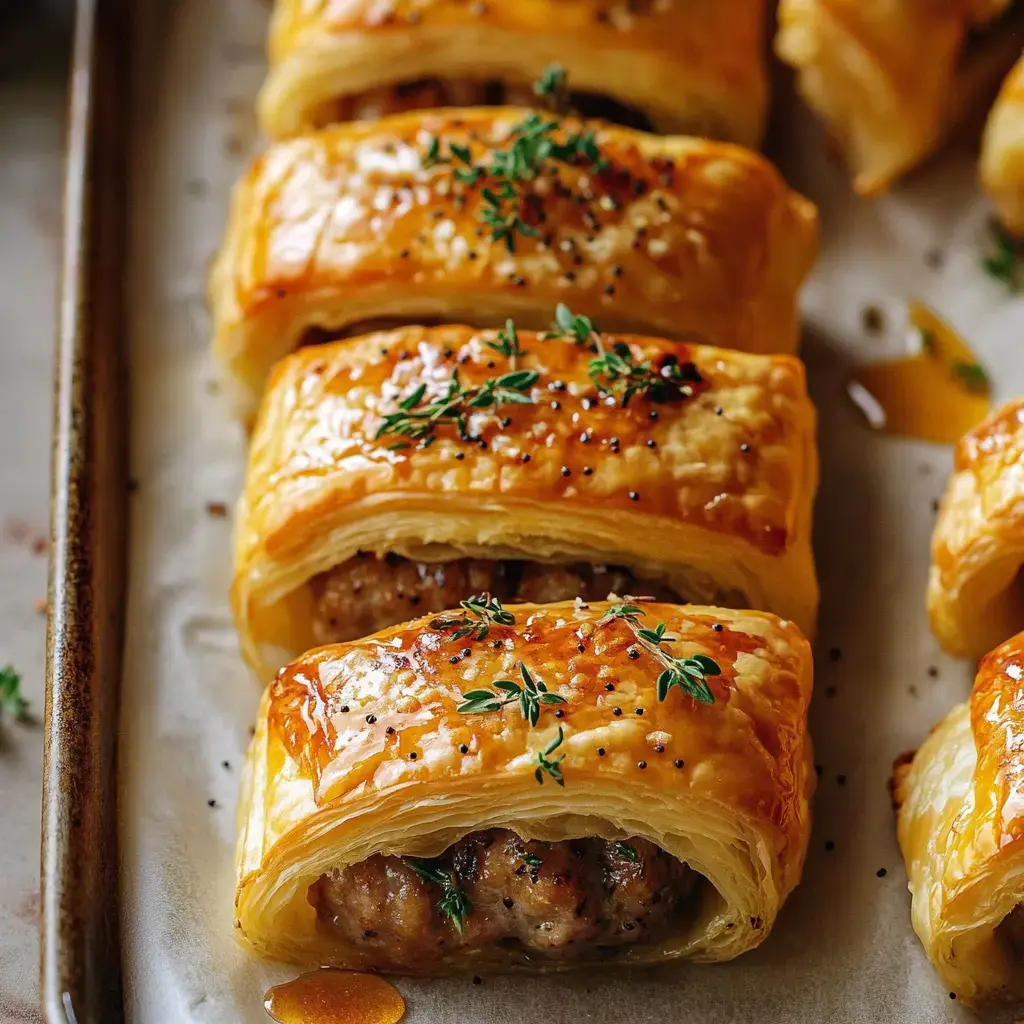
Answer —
402 472
1002 153
889 78
975 591
695 67
395 220
536 800
961 830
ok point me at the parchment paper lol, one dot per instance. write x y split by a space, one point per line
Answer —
843 949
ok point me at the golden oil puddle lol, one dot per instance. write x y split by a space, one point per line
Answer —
335 997
937 393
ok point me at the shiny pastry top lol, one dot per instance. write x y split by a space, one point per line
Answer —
476 215
974 596
1002 153
889 79
724 449
408 682
695 66
961 830
386 746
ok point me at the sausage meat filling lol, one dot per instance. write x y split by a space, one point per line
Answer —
424 93
366 594
494 889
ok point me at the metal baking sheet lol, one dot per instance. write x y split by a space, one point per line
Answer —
843 950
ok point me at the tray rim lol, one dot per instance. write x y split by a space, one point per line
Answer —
79 964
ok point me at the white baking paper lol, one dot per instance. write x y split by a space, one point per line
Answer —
843 950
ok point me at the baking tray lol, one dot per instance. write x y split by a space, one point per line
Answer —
843 950
79 955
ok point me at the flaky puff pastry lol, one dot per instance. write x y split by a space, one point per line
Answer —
1002 153
718 507
887 76
360 749
961 830
695 66
675 236
975 597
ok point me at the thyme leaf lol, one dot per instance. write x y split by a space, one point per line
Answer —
1004 264
11 700
551 81
454 903
567 324
971 375
419 421
530 696
627 852
545 766
481 612
507 343
688 674
630 612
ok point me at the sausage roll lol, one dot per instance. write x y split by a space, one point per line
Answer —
401 472
961 830
889 78
559 791
414 218
1002 154
975 586
696 67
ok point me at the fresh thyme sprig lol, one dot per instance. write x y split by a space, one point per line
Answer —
688 674
624 850
545 766
508 343
551 84
1005 263
579 329
481 612
11 700
630 612
454 903
530 696
532 143
419 422
614 371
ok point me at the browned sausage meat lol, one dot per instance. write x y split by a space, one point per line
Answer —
557 899
366 594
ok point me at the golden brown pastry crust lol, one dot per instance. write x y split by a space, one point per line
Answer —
1002 154
327 784
694 66
679 236
883 76
719 507
961 827
975 592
